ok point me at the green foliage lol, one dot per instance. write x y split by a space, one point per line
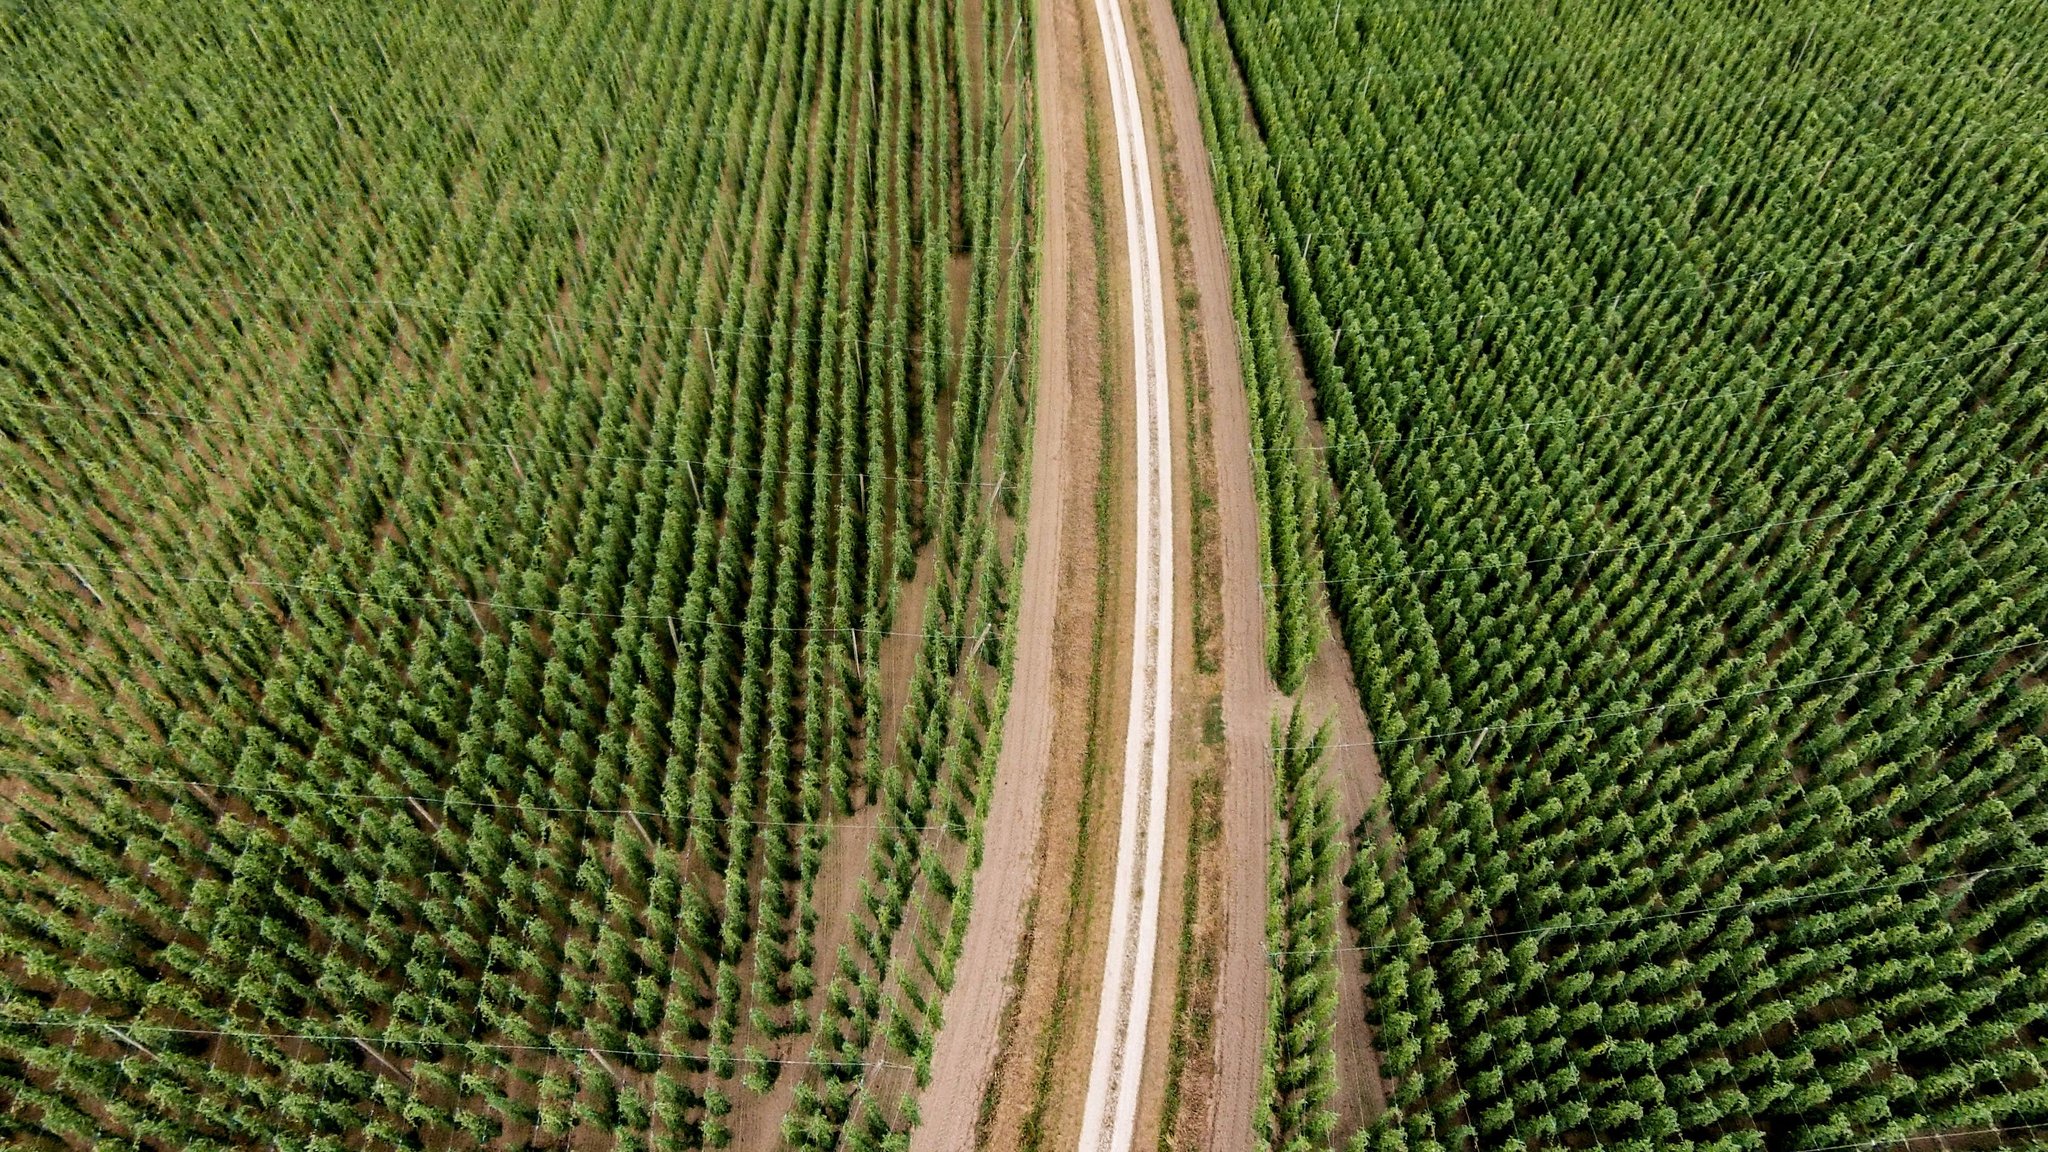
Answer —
1285 483
1298 1086
1682 375
460 462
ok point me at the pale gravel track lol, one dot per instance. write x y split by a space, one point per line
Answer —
1116 1073
964 1052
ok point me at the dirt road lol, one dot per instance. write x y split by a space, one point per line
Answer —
1249 697
988 1068
1109 1116
964 1053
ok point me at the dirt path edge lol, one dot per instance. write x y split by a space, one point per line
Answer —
1249 695
964 1052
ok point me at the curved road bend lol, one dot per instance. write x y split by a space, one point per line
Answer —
1117 1070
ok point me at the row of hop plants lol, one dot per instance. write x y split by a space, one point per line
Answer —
1682 380
451 577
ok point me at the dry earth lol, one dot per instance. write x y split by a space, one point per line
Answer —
1017 1021
1109 1118
1218 1115
964 1056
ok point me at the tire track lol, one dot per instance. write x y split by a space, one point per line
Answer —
1249 695
1116 1071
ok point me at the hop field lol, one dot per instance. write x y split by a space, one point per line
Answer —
508 543
1682 372
510 535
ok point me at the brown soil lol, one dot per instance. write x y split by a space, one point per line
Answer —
1024 1017
1218 1114
1328 693
1353 770
984 987
1182 982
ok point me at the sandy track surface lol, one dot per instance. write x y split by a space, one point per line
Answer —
1249 696
964 1053
1250 699
1109 1116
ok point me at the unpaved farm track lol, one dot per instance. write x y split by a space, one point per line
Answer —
1109 1117
964 1053
1249 696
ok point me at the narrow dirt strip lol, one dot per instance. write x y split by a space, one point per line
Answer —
1109 1118
1249 695
964 1053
